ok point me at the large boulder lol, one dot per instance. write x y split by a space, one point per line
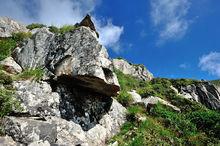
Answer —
10 66
149 101
37 98
27 130
138 71
9 26
78 54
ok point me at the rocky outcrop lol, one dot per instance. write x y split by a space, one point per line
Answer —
76 54
9 26
10 66
138 71
73 105
204 92
72 55
154 100
59 131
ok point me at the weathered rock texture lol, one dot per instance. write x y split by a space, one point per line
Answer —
204 92
138 71
9 26
34 51
76 54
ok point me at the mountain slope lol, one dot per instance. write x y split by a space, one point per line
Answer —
58 86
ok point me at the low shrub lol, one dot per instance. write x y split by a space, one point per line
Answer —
176 121
4 78
35 25
7 102
6 47
20 36
54 29
207 121
124 98
67 28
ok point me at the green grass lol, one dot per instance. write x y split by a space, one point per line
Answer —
124 98
215 82
31 74
35 25
66 28
6 47
127 82
194 125
54 29
20 36
163 126
4 78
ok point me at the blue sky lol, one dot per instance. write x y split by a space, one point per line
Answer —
172 38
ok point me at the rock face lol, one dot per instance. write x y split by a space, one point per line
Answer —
76 54
26 131
138 71
72 55
9 26
34 50
73 106
205 93
37 99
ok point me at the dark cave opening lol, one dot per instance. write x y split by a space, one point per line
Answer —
80 104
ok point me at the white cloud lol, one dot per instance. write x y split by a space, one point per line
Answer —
184 66
169 17
60 12
211 63
109 34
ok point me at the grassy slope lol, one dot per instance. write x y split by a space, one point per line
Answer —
195 125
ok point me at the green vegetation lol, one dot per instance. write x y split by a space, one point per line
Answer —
194 125
54 29
6 47
216 82
7 102
31 74
124 98
20 36
67 28
35 25
4 78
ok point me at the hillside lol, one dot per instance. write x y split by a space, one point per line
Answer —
58 86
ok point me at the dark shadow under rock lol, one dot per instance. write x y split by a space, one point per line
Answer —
79 104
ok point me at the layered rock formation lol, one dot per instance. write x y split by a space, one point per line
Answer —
138 71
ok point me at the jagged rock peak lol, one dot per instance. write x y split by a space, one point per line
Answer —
9 26
87 22
138 71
